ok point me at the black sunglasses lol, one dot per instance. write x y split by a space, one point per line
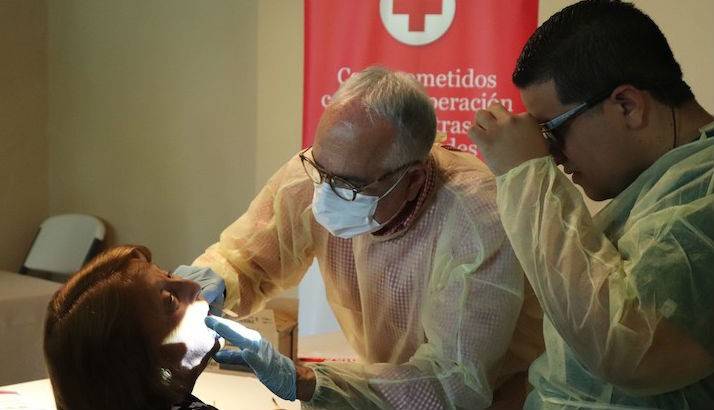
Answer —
548 128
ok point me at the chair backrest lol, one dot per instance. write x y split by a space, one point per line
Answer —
64 243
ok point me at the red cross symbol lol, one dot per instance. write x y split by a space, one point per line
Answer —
417 11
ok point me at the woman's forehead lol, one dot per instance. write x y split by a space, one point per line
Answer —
149 283
148 272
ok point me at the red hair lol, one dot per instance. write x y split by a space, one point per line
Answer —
98 355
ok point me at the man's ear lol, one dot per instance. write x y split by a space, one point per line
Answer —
416 178
632 104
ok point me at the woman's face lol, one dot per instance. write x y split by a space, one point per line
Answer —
172 315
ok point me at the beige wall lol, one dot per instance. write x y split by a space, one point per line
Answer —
23 114
280 79
152 117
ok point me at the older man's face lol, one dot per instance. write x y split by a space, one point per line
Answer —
350 146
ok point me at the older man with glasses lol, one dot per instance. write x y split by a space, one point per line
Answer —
627 293
417 268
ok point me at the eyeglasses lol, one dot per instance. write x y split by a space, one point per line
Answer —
548 128
341 186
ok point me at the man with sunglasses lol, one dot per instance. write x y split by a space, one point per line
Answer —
416 266
627 293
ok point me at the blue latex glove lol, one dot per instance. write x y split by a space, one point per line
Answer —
213 287
274 370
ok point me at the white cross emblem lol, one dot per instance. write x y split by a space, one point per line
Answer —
417 22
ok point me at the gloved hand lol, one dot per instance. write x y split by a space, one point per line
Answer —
274 370
213 287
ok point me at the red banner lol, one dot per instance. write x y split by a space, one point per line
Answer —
462 51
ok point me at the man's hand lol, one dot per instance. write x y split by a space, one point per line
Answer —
506 140
274 370
212 285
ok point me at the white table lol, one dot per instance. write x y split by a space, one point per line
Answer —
23 303
330 346
234 391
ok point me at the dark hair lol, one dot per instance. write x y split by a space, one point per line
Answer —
96 350
593 46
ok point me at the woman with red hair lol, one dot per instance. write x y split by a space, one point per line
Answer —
124 334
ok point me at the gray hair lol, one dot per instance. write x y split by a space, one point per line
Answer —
400 100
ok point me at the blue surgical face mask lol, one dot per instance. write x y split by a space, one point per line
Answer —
346 219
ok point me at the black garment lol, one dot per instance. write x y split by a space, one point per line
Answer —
192 403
